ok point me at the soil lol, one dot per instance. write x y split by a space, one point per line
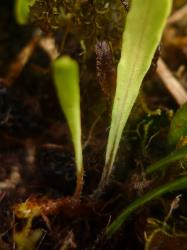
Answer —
36 160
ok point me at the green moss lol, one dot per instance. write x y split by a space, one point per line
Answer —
86 19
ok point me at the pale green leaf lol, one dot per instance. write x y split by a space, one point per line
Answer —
66 78
144 26
22 8
178 127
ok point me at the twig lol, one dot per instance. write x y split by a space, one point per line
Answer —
48 44
22 58
174 205
171 83
90 134
30 154
178 15
12 181
69 242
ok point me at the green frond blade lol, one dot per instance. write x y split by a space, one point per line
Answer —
66 78
144 26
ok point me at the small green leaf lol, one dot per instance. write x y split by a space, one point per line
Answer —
144 26
66 78
22 8
180 183
176 155
178 127
22 11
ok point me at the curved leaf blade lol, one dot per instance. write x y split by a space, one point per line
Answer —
176 155
22 11
22 8
180 183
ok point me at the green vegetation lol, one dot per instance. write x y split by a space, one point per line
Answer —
176 155
22 10
143 30
180 183
106 52
66 78
178 129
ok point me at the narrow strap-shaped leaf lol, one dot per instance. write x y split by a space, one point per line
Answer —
144 26
176 155
180 183
66 78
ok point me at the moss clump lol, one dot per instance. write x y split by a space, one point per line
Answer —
88 20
